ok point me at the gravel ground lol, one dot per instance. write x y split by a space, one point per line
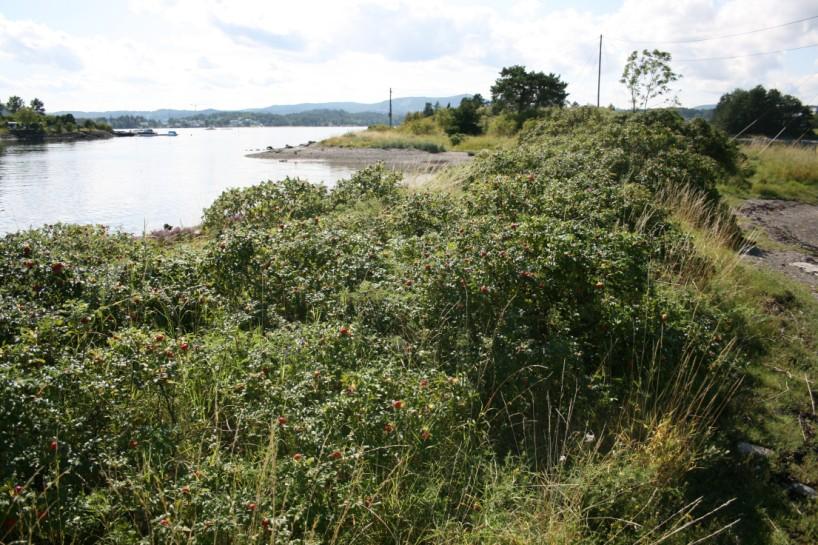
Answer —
402 159
792 224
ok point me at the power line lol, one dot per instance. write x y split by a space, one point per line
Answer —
711 38
758 54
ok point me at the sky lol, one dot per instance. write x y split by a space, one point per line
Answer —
195 54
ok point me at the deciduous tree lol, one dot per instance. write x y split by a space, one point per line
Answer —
648 75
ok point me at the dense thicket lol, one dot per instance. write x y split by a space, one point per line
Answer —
765 112
369 364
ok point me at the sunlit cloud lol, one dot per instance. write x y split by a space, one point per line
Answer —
31 43
249 35
247 53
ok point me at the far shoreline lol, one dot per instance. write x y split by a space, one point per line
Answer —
77 136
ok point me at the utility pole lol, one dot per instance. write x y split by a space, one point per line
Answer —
390 107
599 72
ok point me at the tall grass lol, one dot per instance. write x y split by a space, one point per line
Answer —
783 172
433 142
772 321
388 139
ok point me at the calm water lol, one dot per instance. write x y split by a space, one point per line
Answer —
134 183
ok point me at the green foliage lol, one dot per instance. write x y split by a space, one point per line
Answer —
778 172
648 75
30 119
465 119
35 124
420 125
386 138
655 148
470 127
763 112
502 125
14 103
266 204
355 364
521 93
37 105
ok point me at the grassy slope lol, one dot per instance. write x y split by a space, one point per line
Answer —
192 476
775 405
430 139
779 172
428 142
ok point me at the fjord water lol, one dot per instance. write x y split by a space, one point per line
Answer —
137 184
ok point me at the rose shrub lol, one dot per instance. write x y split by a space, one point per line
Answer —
350 364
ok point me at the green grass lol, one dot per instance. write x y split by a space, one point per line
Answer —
484 142
775 407
780 172
775 323
400 139
388 140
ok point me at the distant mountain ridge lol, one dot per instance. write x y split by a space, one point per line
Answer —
400 107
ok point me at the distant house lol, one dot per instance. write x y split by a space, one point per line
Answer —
12 124
813 109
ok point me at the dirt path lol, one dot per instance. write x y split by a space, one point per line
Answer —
402 159
792 231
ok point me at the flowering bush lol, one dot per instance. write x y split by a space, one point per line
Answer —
345 364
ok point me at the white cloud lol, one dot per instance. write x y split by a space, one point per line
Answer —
30 43
248 53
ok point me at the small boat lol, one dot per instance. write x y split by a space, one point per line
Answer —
171 133
145 132
210 129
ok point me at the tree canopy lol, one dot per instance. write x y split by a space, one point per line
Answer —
14 103
648 75
466 117
37 105
521 93
33 123
764 112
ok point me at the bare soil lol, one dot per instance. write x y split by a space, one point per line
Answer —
792 229
400 159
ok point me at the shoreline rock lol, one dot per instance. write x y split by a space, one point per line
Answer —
749 449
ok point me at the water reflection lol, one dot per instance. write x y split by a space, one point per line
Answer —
135 184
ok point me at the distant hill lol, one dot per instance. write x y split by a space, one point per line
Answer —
400 107
309 118
155 115
692 113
